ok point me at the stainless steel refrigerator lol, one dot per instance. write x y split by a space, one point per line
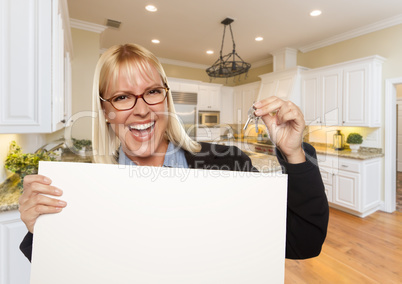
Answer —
186 109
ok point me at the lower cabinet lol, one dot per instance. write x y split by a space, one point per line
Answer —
208 134
352 185
14 267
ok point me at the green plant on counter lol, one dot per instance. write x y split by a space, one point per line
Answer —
354 138
25 164
81 143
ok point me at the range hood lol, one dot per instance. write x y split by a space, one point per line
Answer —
284 81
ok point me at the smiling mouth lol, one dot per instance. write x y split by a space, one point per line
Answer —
142 130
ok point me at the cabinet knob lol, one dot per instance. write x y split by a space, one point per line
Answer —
63 121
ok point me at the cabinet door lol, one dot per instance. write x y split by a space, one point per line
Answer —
327 179
227 115
25 92
32 58
215 98
267 89
249 96
237 106
331 94
14 267
203 101
347 190
354 95
284 87
311 103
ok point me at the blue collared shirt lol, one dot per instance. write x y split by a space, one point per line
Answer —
174 157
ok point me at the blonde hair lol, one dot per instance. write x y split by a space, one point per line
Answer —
131 57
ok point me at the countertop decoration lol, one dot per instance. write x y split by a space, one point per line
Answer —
25 164
354 140
82 144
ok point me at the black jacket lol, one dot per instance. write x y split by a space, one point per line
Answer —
307 212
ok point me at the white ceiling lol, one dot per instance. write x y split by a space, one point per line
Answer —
188 28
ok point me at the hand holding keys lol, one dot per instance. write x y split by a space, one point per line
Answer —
252 116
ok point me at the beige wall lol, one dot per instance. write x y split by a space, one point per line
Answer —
399 91
386 43
200 74
86 53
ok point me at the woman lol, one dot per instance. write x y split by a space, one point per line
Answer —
136 124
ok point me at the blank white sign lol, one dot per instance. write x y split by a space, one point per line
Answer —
126 224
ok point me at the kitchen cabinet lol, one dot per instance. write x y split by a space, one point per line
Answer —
226 116
243 98
321 97
183 85
283 84
345 94
14 267
35 80
208 134
352 185
209 97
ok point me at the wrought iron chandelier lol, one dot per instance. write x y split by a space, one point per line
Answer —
231 64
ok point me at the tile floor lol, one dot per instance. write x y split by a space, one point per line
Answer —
399 192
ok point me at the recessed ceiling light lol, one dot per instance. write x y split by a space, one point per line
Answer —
315 13
259 38
151 8
155 41
210 52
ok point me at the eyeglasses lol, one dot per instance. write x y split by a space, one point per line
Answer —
153 96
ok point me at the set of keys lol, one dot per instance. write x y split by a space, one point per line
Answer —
251 117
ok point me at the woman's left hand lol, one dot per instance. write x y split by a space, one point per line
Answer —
285 123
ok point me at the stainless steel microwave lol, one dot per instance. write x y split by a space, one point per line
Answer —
208 118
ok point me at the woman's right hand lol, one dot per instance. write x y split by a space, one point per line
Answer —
33 202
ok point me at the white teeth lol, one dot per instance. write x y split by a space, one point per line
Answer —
142 126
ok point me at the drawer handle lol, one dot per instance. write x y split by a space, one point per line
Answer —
345 166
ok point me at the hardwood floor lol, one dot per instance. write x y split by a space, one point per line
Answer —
357 250
399 192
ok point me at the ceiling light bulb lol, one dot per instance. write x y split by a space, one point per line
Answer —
155 41
259 38
151 8
210 52
315 13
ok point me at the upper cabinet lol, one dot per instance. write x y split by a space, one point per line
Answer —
321 97
243 98
346 94
35 70
182 85
209 97
283 84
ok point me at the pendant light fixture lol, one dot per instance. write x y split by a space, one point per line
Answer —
231 64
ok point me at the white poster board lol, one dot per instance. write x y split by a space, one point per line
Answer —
127 224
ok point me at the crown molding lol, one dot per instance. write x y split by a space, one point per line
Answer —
262 63
202 66
87 26
397 20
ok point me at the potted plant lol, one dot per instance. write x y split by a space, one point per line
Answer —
25 164
354 140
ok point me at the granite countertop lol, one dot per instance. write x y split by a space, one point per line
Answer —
364 153
10 193
265 163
